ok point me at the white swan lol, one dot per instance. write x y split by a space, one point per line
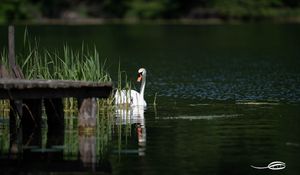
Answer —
132 97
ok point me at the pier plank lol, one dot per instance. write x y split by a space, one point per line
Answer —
31 93
36 89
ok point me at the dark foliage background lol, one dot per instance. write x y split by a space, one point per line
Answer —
35 10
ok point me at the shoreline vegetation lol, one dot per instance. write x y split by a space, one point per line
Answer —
84 64
37 62
148 11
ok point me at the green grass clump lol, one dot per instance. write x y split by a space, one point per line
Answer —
68 65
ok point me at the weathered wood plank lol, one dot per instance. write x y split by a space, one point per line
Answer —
22 84
37 89
36 93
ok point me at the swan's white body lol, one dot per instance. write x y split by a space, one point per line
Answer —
133 97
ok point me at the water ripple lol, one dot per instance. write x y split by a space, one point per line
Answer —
231 87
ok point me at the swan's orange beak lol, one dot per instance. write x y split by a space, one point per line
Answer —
139 78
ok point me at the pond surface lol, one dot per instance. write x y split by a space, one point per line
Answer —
228 97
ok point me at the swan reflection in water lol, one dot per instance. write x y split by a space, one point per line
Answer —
131 116
134 116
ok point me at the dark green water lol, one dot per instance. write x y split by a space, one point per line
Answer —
228 95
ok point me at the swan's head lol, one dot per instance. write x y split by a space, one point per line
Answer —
141 74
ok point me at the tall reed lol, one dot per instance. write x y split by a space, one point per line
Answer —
124 88
68 65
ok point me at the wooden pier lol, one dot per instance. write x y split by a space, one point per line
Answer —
26 100
27 97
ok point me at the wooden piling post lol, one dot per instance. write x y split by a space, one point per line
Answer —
11 46
87 150
3 72
16 105
87 115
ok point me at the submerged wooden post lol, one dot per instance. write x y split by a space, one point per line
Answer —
87 114
87 150
87 127
14 112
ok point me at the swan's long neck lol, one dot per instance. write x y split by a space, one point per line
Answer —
143 87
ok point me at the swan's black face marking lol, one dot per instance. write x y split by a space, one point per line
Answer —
140 76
